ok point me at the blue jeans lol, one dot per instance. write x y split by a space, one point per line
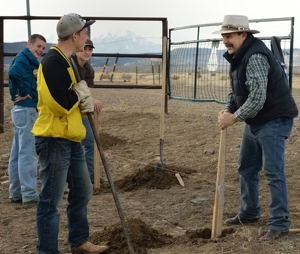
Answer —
263 147
62 161
22 167
88 144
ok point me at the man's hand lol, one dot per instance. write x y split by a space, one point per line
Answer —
97 105
82 90
19 98
225 119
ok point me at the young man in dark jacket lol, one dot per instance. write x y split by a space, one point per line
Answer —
22 168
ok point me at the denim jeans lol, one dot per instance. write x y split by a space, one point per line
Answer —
62 161
22 167
88 144
263 147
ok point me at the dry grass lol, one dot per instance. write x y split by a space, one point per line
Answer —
5 74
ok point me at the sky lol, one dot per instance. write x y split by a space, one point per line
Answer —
179 14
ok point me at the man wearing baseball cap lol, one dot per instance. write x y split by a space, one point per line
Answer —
260 97
58 132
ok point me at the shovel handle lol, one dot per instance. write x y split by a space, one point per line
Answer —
219 194
112 186
103 159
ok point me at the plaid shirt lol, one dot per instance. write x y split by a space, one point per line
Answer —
256 82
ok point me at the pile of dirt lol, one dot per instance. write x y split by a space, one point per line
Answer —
108 141
149 178
142 237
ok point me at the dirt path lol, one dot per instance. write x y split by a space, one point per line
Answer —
161 215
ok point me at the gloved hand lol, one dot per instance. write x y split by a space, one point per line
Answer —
82 90
86 105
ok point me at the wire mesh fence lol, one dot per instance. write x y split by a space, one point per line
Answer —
198 71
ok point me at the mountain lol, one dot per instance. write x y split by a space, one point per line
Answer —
124 41
13 47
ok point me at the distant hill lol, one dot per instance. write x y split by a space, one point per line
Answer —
15 47
296 56
124 41
129 43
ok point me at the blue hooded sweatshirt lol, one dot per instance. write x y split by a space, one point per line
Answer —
22 80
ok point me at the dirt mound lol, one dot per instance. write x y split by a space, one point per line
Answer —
142 237
150 179
108 141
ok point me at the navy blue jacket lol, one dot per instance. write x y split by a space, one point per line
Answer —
22 81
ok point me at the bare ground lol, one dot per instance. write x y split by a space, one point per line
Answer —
161 214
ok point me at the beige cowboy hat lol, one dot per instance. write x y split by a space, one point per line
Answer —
235 23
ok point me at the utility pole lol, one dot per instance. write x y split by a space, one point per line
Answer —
28 14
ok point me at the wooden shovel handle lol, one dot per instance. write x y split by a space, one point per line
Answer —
219 194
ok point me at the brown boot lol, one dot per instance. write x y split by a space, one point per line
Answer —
89 248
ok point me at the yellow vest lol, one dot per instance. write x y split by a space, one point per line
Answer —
54 120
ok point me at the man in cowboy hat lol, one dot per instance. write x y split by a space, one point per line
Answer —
261 98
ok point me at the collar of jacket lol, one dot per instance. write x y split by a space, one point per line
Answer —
30 57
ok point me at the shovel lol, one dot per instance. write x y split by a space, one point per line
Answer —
219 193
160 166
103 159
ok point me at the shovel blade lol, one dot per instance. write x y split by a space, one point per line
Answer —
160 167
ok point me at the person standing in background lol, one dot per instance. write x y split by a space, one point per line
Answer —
87 73
22 167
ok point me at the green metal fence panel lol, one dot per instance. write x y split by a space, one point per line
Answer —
197 70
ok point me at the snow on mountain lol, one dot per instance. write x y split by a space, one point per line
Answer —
124 41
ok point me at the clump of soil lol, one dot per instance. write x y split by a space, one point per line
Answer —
142 237
149 178
108 141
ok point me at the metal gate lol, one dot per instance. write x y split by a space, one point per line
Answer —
197 70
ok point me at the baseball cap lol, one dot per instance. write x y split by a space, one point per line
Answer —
71 23
89 43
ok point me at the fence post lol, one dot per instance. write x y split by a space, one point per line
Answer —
104 67
136 74
159 74
96 156
153 74
115 65
1 77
